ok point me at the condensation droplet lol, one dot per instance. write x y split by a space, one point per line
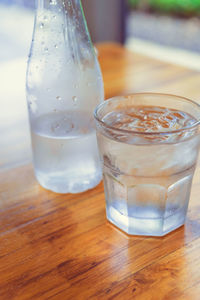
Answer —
32 103
74 98
75 85
56 46
41 25
96 51
53 2
58 98
46 49
54 16
45 18
42 43
55 126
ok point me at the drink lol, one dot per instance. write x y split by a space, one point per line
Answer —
149 162
65 153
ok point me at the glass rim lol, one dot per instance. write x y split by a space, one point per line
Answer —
104 124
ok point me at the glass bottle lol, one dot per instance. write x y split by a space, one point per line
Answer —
64 84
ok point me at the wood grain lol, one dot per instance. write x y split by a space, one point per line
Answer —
56 246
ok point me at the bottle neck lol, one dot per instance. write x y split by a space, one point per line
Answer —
67 5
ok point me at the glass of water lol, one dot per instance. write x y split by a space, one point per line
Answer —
149 145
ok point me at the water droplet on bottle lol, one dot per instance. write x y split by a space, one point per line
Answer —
46 49
69 3
75 85
41 25
55 126
45 18
42 43
54 16
53 2
96 51
97 99
56 46
32 103
58 98
74 98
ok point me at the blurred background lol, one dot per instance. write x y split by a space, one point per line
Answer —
171 23
165 29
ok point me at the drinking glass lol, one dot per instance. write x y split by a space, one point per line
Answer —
148 145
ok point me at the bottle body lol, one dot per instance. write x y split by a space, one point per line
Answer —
64 84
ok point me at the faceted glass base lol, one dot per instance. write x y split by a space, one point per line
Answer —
147 209
144 226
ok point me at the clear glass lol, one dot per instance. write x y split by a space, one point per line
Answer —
147 175
64 85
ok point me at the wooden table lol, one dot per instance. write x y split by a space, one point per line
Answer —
61 246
